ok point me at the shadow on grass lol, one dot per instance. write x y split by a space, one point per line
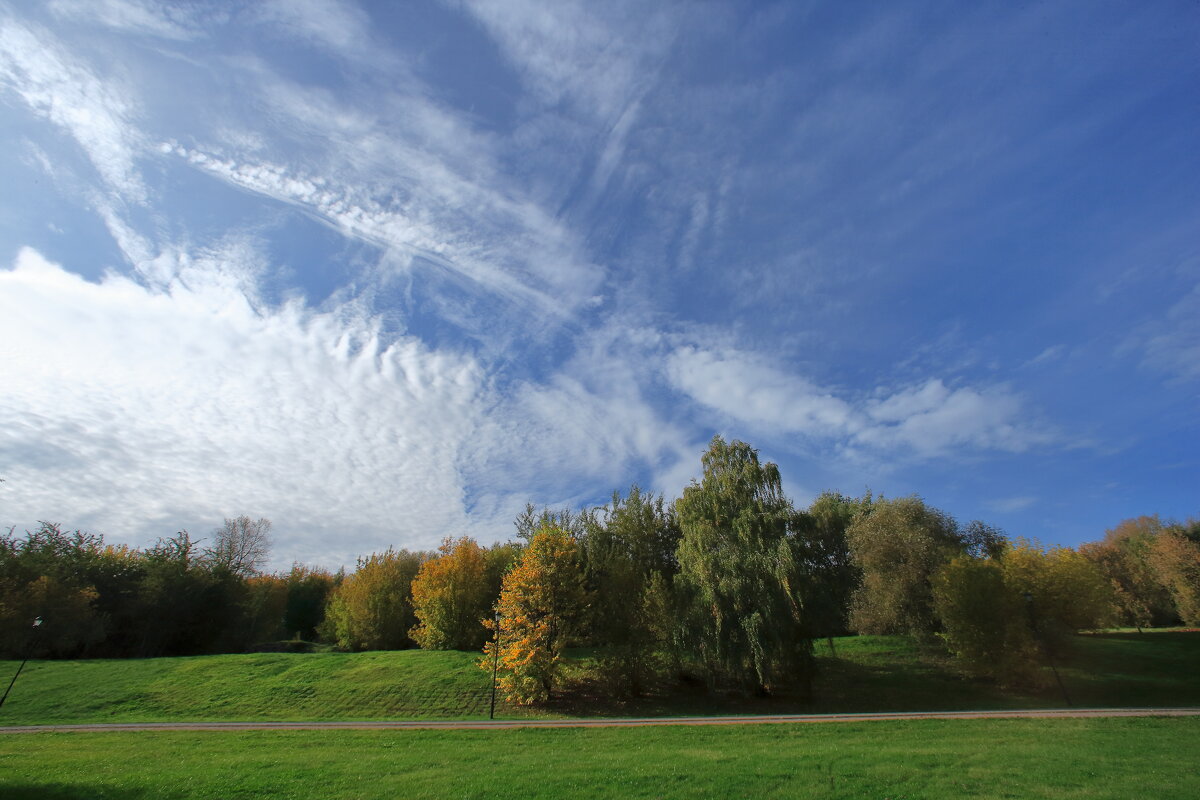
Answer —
68 791
921 680
1133 669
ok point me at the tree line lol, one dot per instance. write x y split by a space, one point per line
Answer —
730 584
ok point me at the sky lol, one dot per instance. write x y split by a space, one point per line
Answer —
385 272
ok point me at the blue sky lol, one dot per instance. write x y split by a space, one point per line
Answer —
383 273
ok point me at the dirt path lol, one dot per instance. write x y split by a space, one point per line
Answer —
605 723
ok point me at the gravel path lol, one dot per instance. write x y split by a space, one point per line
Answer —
603 722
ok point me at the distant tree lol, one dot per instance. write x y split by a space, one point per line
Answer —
541 604
240 546
48 573
266 599
116 573
985 620
500 558
451 597
740 578
1001 616
181 606
984 541
1124 558
372 608
308 590
629 559
531 520
1175 559
820 533
899 546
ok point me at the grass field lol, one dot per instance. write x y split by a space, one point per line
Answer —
1098 758
868 674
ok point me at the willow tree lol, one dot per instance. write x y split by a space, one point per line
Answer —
740 575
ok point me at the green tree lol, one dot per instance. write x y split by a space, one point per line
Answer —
530 521
899 546
49 573
629 558
181 605
985 620
541 604
451 596
740 578
820 531
265 606
308 590
500 558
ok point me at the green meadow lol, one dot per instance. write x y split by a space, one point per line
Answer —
868 673
1065 758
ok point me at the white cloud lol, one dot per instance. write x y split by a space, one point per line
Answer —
338 26
1010 505
503 247
738 385
927 420
600 56
1171 344
1052 353
97 114
933 419
133 412
592 425
411 177
131 16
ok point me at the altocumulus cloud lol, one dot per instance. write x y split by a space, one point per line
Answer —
145 411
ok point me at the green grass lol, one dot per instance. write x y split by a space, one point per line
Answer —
1096 758
869 673
258 686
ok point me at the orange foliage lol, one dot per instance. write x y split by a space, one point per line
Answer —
541 601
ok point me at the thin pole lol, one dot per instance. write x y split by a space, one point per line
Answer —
37 623
1045 648
1054 669
495 665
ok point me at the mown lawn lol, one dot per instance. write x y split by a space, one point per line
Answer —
1095 758
868 673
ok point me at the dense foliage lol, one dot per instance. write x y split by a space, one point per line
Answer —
741 573
730 583
541 605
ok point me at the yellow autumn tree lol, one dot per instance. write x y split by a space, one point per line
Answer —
372 608
450 595
1175 559
541 601
1004 616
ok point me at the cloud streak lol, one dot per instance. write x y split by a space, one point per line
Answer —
923 421
97 114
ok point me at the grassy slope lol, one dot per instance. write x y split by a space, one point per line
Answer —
868 674
1099 758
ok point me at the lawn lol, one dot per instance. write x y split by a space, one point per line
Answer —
868 673
1067 758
